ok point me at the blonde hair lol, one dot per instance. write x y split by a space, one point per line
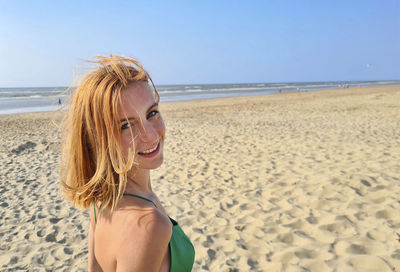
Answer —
93 168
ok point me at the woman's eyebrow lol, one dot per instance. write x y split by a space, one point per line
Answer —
152 106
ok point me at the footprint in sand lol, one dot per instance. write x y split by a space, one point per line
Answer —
26 146
342 227
286 238
396 254
68 250
54 220
378 235
312 220
40 233
356 249
345 248
384 214
305 254
369 263
51 237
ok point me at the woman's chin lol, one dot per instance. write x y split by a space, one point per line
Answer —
150 165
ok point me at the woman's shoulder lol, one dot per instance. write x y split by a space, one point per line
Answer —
132 234
131 220
146 222
143 240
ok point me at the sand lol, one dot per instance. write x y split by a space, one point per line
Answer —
305 181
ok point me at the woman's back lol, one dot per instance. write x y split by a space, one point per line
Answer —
130 237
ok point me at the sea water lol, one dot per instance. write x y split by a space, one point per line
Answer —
35 99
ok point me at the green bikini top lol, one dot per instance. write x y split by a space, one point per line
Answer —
182 250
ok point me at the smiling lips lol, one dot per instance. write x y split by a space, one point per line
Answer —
151 152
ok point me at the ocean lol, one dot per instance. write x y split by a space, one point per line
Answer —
36 99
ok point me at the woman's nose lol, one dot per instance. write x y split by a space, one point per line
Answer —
148 132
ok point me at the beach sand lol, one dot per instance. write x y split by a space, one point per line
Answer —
306 181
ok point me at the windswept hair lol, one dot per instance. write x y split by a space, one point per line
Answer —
93 168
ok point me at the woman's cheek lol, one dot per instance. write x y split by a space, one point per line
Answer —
127 141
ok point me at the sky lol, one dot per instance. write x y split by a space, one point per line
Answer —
48 43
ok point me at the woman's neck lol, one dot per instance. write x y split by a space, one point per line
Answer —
139 181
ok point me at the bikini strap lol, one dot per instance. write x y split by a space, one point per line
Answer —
141 197
94 210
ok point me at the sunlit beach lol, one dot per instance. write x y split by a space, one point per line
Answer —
200 136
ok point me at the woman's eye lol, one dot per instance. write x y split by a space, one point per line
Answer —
152 113
126 126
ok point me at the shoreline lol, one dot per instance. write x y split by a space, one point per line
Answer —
289 181
190 97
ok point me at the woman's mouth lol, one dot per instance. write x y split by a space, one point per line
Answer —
150 152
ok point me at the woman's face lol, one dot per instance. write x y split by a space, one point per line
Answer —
141 125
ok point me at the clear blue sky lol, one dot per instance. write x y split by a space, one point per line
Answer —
184 42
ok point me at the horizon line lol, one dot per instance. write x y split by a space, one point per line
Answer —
225 83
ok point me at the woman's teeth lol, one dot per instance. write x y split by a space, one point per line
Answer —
149 151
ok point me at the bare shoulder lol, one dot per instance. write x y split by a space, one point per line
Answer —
149 222
143 241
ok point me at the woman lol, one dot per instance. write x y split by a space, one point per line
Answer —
114 136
